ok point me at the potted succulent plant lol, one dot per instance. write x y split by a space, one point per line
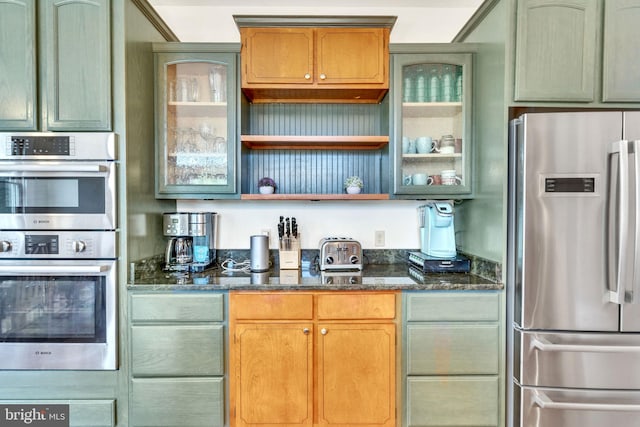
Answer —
353 184
266 185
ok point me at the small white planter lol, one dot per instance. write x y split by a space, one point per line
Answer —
267 189
353 190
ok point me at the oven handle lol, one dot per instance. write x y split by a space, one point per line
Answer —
84 269
545 402
52 168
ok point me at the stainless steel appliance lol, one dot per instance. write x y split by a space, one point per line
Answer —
340 253
58 300
57 181
191 244
574 270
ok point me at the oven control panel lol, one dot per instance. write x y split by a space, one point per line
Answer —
58 244
38 145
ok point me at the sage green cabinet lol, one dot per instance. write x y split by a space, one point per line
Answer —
570 51
432 125
56 65
196 93
621 61
82 413
177 358
451 358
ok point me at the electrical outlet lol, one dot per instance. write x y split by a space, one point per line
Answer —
378 239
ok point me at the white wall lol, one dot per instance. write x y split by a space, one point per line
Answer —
238 220
414 24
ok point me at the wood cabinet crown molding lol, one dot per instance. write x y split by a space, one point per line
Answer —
314 21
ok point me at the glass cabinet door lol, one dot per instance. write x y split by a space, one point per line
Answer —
432 124
195 127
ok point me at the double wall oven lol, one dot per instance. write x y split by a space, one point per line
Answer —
58 251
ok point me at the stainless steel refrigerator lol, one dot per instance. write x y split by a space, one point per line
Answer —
573 273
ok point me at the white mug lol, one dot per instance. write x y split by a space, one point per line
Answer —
449 177
447 150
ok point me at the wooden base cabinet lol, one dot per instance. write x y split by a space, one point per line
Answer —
177 359
451 358
299 358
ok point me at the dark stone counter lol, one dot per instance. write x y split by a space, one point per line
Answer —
397 276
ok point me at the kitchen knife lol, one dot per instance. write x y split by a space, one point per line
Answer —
294 227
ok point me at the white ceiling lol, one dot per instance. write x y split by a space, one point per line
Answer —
418 21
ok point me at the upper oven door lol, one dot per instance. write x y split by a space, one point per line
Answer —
57 195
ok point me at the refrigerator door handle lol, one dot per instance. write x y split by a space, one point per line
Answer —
622 208
635 289
543 344
544 402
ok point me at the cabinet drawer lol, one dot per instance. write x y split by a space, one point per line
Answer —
458 306
186 307
272 306
194 350
82 413
356 306
452 349
457 401
177 402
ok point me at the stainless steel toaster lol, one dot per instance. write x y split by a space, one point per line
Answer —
340 253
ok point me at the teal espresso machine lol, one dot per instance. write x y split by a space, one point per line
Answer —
438 240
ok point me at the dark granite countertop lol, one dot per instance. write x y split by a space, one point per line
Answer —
398 276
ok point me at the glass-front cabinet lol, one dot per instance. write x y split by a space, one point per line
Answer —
195 128
431 124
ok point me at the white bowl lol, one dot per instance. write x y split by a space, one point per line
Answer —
267 189
353 190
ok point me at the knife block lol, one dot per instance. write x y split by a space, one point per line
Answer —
290 257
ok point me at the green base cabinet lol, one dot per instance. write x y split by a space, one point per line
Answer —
72 67
570 51
451 358
82 413
177 359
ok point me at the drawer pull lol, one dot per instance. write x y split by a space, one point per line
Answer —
305 331
323 331
544 402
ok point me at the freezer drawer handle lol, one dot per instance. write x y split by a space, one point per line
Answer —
546 345
544 402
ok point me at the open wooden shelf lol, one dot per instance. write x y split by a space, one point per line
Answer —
313 142
278 196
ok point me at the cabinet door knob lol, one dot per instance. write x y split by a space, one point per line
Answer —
323 76
307 76
323 331
305 331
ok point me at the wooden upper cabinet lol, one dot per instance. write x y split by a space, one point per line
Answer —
292 46
352 56
302 64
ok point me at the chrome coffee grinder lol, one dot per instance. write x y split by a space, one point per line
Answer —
202 227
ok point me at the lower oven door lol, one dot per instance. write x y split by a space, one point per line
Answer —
551 407
58 314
